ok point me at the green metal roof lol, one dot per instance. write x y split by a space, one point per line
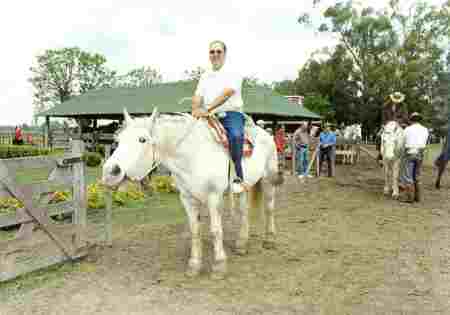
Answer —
168 97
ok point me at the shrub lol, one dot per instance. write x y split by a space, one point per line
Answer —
92 159
100 149
163 184
17 151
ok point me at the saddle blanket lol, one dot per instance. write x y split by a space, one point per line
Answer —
220 135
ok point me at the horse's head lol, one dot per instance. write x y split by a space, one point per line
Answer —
134 156
390 139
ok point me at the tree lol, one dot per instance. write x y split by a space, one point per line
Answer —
140 77
194 74
390 51
59 74
319 105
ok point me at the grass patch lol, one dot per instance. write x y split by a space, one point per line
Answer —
52 277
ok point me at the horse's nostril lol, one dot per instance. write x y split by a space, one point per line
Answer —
115 170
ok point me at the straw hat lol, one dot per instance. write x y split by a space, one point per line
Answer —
397 97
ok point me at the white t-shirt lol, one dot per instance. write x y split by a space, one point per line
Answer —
211 85
416 136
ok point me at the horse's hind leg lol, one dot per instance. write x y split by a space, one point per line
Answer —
242 238
395 175
386 177
219 267
192 208
269 207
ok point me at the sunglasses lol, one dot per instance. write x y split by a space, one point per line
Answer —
218 52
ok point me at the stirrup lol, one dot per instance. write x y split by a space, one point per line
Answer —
238 186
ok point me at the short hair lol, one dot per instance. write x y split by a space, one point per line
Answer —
219 42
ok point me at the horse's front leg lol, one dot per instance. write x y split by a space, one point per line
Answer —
192 207
386 177
269 208
395 175
219 267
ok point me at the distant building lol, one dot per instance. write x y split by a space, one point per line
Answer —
295 99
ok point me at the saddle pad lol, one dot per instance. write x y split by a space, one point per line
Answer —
220 135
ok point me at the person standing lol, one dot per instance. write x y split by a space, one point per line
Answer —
18 138
280 142
416 137
219 92
301 143
327 145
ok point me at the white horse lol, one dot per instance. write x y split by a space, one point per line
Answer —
350 136
200 167
392 144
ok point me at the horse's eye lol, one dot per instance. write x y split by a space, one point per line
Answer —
142 140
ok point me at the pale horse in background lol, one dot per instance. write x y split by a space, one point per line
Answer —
199 166
352 136
392 147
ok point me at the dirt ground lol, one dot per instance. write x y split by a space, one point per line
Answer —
342 248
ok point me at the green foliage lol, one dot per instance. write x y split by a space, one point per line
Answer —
96 199
379 52
92 159
320 105
140 77
100 149
61 73
194 74
163 184
16 151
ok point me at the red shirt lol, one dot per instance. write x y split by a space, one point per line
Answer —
18 134
280 140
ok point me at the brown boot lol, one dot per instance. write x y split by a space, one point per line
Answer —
418 191
408 194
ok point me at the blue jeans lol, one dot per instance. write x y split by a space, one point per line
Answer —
234 123
301 159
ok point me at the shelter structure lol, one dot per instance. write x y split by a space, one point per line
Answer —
260 103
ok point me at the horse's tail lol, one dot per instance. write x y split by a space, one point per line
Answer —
256 195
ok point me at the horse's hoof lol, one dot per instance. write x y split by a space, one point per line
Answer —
386 192
267 244
241 248
241 251
219 270
192 271
437 186
395 196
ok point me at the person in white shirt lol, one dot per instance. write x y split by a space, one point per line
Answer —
416 137
219 92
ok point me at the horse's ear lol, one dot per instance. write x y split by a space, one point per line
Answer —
128 119
153 116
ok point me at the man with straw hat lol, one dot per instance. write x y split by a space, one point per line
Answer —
416 137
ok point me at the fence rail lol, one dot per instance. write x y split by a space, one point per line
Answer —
40 241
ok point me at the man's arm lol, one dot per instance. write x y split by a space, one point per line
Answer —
221 99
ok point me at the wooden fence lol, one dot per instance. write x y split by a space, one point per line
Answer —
40 241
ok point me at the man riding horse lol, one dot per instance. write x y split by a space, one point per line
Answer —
393 110
219 92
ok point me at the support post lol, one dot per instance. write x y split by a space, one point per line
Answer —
293 155
47 140
79 185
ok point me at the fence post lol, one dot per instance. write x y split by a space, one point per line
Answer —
108 206
293 156
79 186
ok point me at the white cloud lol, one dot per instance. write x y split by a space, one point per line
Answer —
263 37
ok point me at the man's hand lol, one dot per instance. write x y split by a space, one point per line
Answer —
199 113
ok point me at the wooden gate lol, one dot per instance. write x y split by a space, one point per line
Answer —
41 242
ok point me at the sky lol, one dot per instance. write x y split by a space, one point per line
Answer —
263 38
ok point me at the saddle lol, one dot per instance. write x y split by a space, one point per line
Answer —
220 135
